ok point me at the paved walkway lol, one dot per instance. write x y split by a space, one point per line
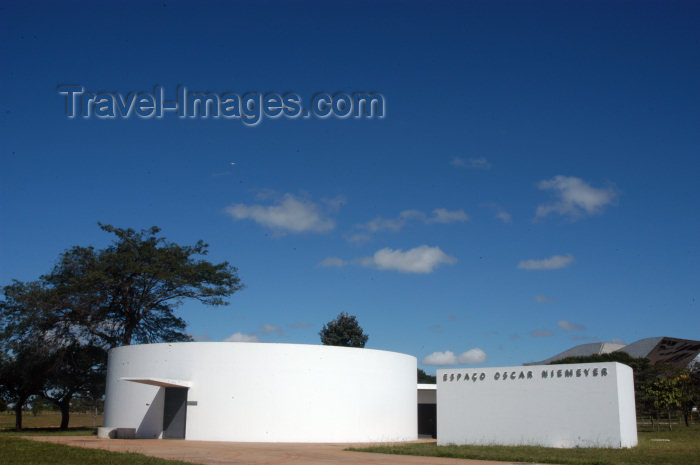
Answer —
247 453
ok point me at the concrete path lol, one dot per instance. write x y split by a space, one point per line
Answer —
240 453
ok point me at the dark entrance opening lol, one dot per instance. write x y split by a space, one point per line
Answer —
174 413
427 420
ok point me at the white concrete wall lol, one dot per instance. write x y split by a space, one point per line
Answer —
578 405
267 392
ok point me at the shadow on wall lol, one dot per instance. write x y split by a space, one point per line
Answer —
152 424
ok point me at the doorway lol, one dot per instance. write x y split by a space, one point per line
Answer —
174 413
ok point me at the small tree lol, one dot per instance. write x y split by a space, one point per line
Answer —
425 378
343 331
43 360
23 375
37 405
688 382
25 351
77 370
666 395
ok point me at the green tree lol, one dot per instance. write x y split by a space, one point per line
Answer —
76 370
689 384
344 330
127 292
22 375
666 395
61 364
425 378
55 331
37 403
25 351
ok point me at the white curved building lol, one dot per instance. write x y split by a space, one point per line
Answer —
254 392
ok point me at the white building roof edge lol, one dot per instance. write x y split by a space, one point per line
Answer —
161 382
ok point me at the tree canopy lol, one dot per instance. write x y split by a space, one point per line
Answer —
128 291
425 378
25 351
344 331
54 332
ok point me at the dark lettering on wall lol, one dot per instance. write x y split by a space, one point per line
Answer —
513 375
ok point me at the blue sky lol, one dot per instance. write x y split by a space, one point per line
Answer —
532 186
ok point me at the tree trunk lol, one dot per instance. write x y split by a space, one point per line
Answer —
65 413
18 415
669 421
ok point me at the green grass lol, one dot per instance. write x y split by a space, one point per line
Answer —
17 451
79 431
47 423
49 419
682 449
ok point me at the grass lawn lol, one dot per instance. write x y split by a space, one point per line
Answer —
17 451
682 449
50 420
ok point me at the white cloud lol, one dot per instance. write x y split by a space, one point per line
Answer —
422 259
480 163
501 214
541 333
262 331
440 358
358 238
459 162
504 216
268 328
201 337
444 216
617 340
575 197
552 263
439 215
477 163
332 262
290 214
569 326
242 337
335 203
385 224
470 357
543 299
300 325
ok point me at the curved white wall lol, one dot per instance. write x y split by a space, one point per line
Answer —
254 392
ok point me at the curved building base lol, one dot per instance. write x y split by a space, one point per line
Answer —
253 392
